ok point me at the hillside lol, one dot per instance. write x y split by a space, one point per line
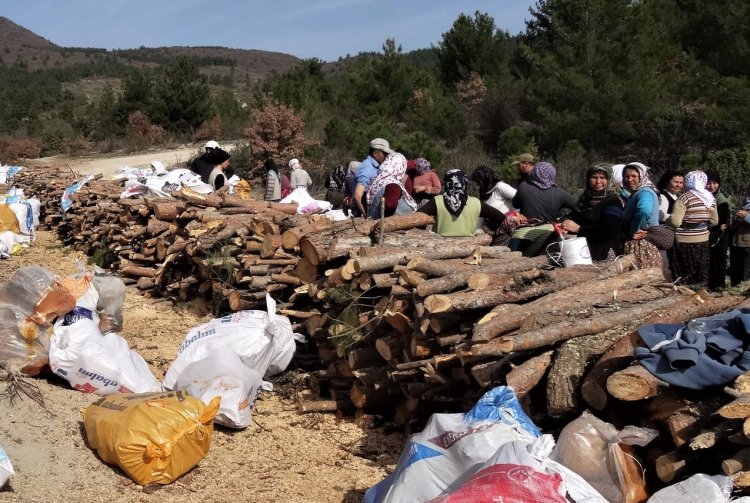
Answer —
20 46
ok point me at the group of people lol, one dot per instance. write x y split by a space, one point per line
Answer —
278 185
684 224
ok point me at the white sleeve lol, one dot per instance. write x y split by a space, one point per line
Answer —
663 207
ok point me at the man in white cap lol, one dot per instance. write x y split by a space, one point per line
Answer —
379 150
204 164
299 177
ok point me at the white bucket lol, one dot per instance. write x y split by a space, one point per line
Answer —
575 251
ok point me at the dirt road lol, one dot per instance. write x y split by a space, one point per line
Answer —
108 165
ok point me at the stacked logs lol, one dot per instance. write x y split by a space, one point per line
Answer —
407 323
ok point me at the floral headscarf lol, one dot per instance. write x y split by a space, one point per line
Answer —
695 182
455 195
423 165
392 170
543 175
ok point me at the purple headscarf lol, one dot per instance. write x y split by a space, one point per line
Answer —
543 175
423 165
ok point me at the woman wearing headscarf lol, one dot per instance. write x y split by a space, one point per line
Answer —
335 185
718 235
273 183
641 212
669 188
456 213
693 213
597 213
541 201
426 182
387 188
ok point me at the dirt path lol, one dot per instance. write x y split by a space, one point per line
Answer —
108 165
281 457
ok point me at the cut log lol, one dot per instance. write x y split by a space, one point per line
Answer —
390 346
739 408
134 270
525 376
574 328
400 223
505 318
364 357
321 250
324 406
634 383
572 359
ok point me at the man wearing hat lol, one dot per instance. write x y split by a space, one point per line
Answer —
379 150
204 164
524 163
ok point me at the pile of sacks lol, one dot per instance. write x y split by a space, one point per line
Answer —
494 452
155 431
19 219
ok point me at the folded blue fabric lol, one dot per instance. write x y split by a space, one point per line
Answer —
706 352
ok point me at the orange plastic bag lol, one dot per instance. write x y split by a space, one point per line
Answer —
154 437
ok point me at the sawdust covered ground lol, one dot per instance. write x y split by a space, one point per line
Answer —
282 456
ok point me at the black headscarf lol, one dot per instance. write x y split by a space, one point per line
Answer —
486 179
270 166
455 195
590 197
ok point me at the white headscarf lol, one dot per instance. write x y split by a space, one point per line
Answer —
695 182
294 164
617 174
392 170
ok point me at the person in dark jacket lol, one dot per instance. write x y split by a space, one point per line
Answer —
597 213
204 164
718 235
336 185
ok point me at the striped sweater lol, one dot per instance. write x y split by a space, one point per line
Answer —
691 218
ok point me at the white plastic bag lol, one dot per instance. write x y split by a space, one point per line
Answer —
223 374
96 363
450 445
6 468
263 340
700 488
111 290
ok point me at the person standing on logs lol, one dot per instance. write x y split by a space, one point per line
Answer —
456 212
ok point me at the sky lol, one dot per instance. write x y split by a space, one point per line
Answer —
325 29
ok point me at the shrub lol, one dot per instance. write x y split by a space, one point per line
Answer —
15 149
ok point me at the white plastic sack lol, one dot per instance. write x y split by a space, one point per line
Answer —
263 340
96 363
450 445
521 471
6 468
305 202
700 488
189 179
223 374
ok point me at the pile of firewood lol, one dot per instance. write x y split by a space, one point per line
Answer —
406 323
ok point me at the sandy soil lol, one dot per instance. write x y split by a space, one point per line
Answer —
282 456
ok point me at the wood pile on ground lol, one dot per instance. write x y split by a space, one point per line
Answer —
406 323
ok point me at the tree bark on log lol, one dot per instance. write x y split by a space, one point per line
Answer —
507 317
569 367
569 329
525 376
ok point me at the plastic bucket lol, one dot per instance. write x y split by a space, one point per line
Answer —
575 251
